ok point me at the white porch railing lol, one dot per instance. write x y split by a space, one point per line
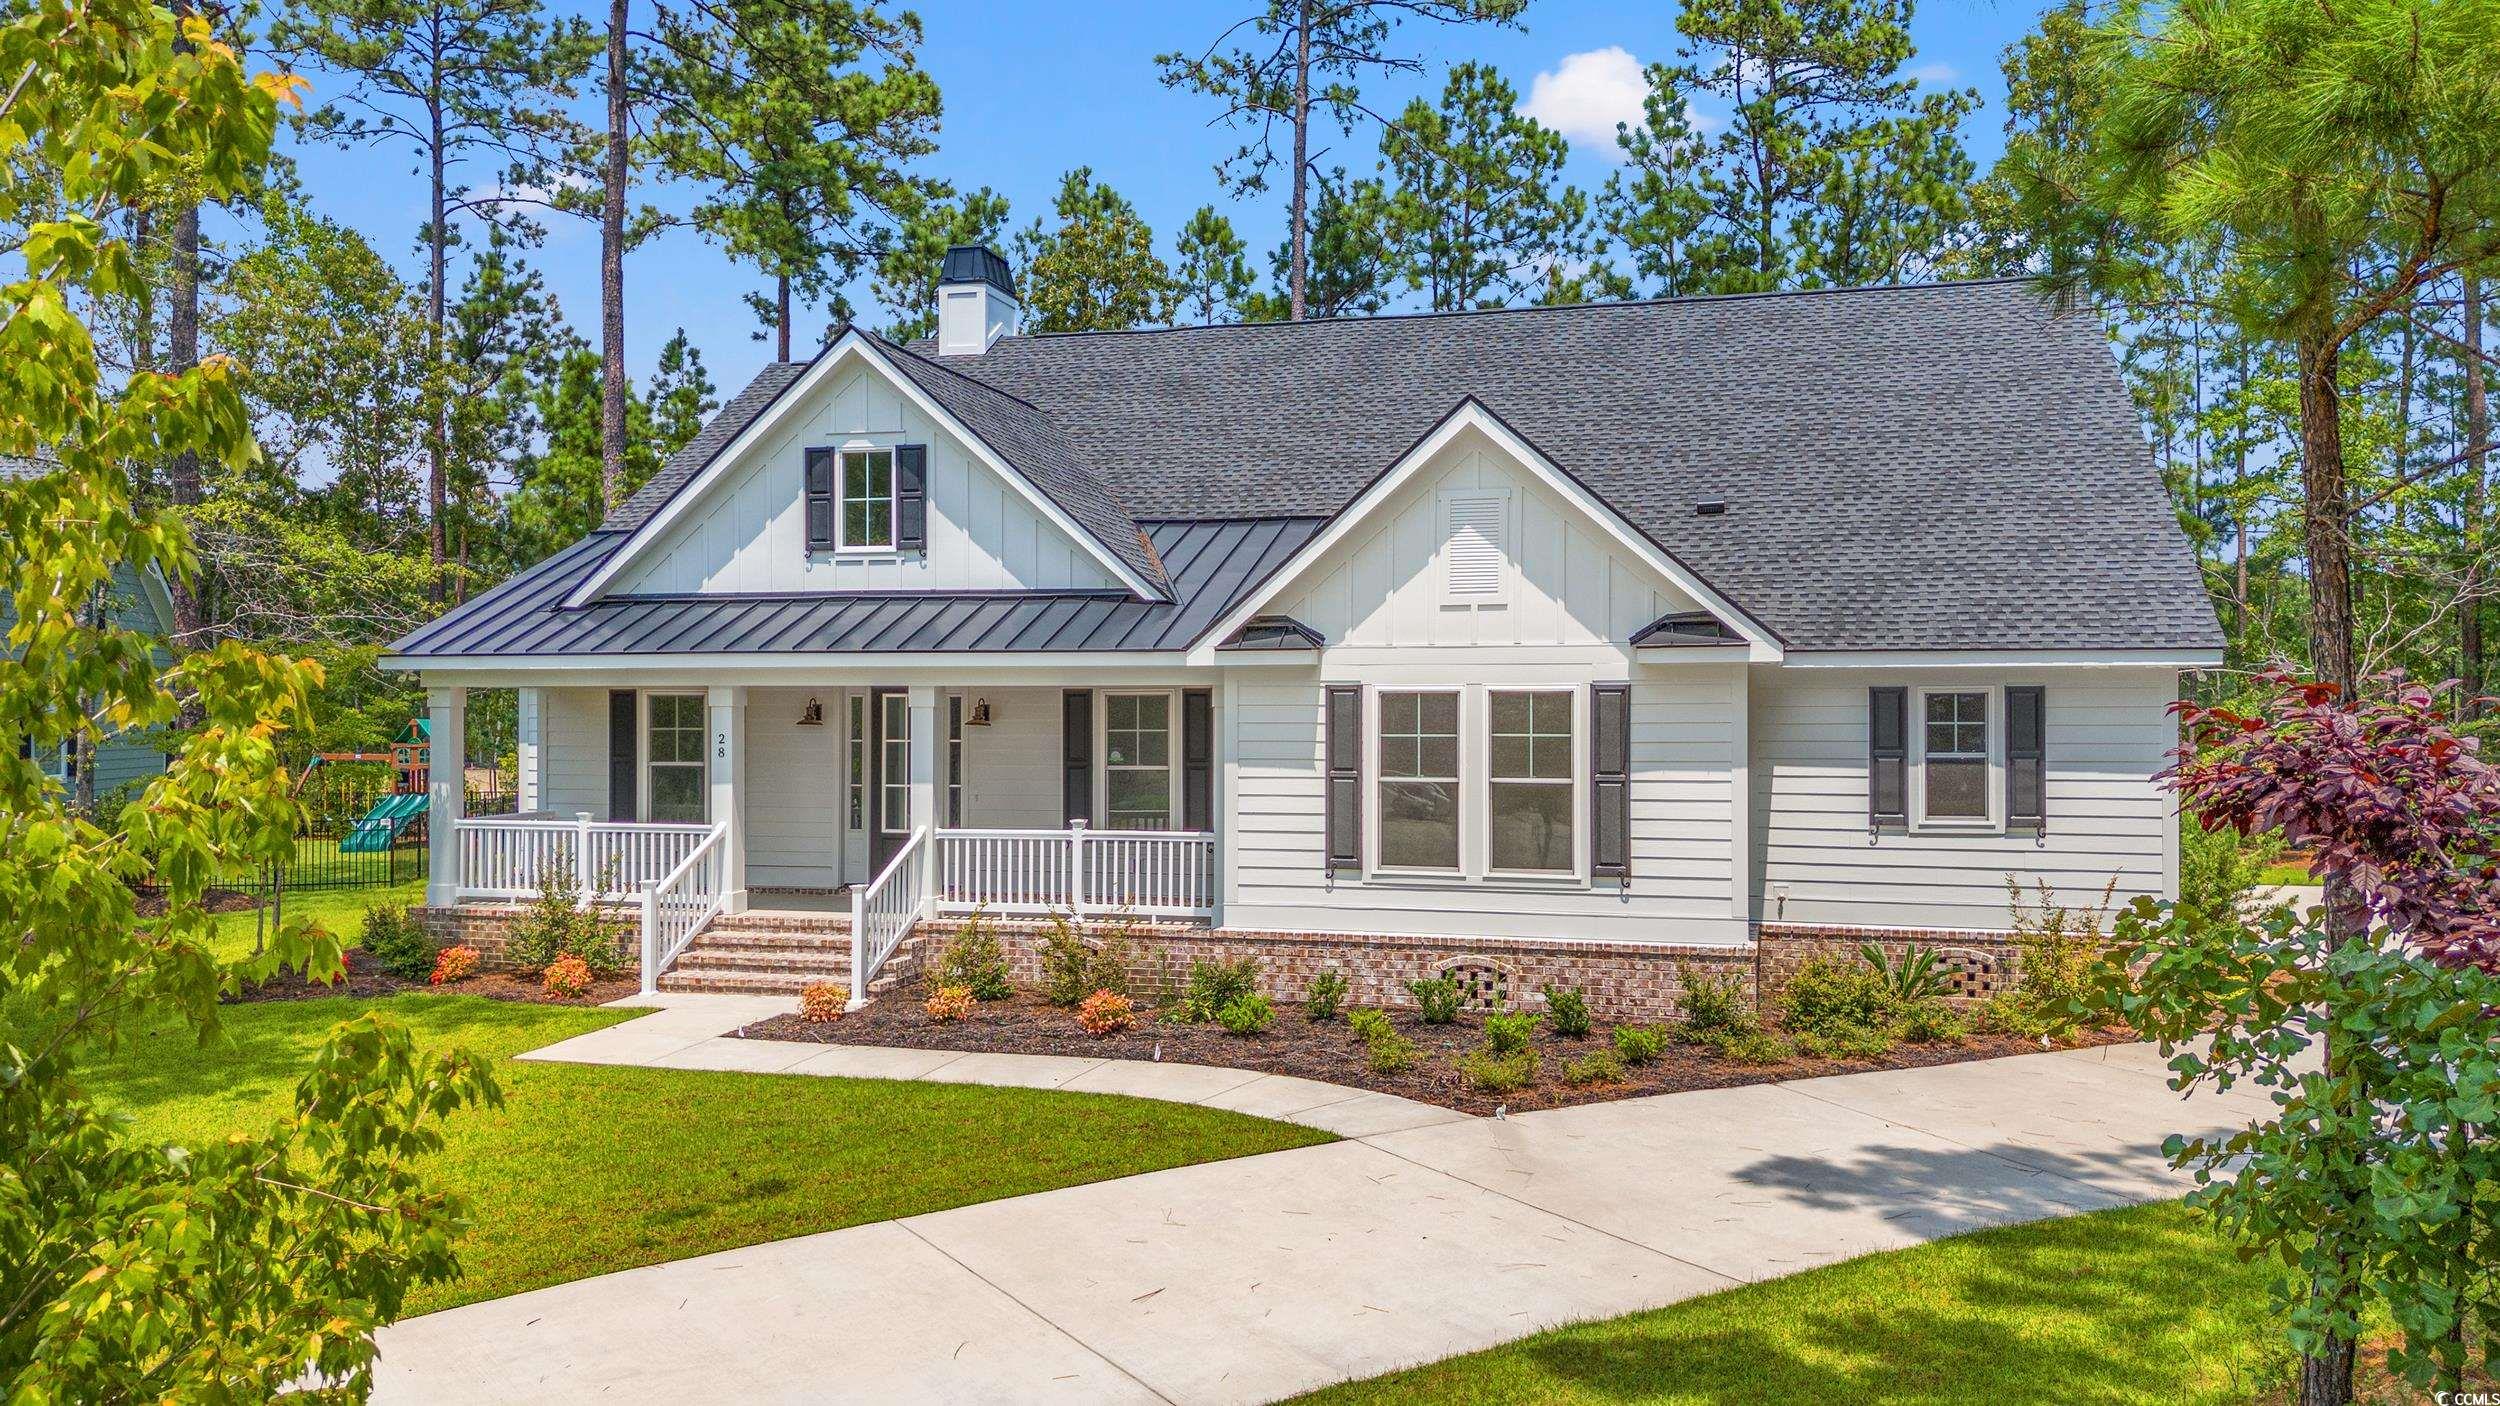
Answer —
1152 873
884 912
676 907
503 856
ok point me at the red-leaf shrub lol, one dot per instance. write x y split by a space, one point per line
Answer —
453 964
1105 1013
567 976
2380 792
821 1002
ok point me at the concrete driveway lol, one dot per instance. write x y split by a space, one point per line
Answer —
1258 1278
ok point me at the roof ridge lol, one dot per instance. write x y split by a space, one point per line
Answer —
1995 280
884 341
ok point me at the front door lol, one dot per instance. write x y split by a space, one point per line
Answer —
889 775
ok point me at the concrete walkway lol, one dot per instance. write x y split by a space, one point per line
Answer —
1264 1276
685 1033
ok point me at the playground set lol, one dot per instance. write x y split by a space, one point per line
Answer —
396 815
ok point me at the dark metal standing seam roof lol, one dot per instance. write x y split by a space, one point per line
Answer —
1212 565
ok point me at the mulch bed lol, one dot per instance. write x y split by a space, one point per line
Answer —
1026 1024
365 977
151 902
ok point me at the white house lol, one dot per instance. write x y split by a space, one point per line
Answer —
1551 643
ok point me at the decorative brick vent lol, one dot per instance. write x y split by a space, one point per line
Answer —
1482 986
1973 974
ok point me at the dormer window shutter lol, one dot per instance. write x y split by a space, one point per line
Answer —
1888 758
911 497
820 504
2026 757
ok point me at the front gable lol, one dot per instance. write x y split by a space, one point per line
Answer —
740 526
1474 539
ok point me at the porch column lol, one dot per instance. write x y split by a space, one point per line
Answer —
928 735
529 747
446 778
728 708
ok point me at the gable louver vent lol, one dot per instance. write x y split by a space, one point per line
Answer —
1475 530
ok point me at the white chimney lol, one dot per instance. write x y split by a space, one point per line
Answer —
976 300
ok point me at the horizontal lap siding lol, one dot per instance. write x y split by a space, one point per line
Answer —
574 742
793 790
1682 819
1014 764
2108 733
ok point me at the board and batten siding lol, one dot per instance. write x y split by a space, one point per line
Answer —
1686 750
573 751
2108 732
749 533
1562 580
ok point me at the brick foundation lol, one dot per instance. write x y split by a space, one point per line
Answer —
489 930
1623 981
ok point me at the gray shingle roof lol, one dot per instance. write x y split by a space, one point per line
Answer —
1935 467
1212 564
682 466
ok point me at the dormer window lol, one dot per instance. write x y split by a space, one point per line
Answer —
867 499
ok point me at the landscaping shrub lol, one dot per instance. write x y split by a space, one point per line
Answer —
1067 964
1506 1033
1639 1044
454 964
1713 1002
949 1003
1931 1022
1392 1053
1569 1007
1247 1014
1500 1071
1215 985
1327 992
1918 975
557 924
1105 1013
1600 1066
822 1002
1437 998
1755 1047
2060 947
1844 1042
973 960
396 943
1369 1024
1109 969
567 976
1828 996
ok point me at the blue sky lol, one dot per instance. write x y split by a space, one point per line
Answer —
1032 89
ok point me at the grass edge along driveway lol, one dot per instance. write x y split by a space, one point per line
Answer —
589 1169
2141 1305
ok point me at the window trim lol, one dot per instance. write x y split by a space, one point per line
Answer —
1378 778
1994 758
1171 756
843 545
855 761
1578 781
885 782
642 747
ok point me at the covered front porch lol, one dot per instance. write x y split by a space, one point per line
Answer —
871 805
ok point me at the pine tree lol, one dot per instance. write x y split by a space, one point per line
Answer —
1212 274
1352 264
1478 216
458 82
905 283
1307 61
1096 270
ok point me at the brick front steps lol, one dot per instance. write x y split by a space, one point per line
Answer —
767 955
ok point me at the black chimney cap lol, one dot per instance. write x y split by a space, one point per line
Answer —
978 263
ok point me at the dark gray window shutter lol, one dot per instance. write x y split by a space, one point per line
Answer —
1343 803
1076 749
820 503
624 720
1197 759
1610 780
2026 756
1888 757
911 497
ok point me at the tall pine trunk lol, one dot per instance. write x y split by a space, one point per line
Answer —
2477 452
182 354
781 314
1299 276
437 542
612 273
2326 1374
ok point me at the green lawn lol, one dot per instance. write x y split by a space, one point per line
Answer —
2139 1305
340 910
2287 872
590 1169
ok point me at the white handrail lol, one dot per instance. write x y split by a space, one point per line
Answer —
677 907
884 913
1151 873
503 857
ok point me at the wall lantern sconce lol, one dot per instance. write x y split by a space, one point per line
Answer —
980 714
813 715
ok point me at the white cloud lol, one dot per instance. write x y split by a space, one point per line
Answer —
1935 75
1585 95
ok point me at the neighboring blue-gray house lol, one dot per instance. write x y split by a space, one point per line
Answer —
139 601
